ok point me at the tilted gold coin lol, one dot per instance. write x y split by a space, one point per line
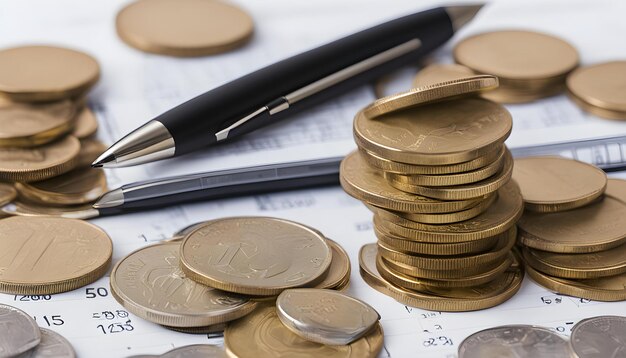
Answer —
28 125
255 255
367 184
22 208
266 336
90 149
498 218
7 193
610 288
449 300
616 188
435 134
436 73
183 27
551 184
149 283
39 163
578 266
51 255
79 186
595 227
339 270
85 124
430 93
601 86
45 73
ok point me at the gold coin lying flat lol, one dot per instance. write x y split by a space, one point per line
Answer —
7 193
601 86
367 184
430 93
436 73
28 125
51 255
551 184
266 336
21 208
79 186
435 134
183 27
255 255
598 111
85 124
150 284
592 228
611 288
578 266
339 270
45 73
39 163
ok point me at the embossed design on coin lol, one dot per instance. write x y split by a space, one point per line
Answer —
52 345
18 332
600 337
196 351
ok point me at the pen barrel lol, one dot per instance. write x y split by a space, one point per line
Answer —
194 123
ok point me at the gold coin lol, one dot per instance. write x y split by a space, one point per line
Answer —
85 124
611 288
616 188
255 255
20 208
46 73
598 111
79 186
498 218
425 248
578 266
595 227
266 336
430 93
550 184
28 125
339 271
435 134
440 275
183 27
90 149
367 184
51 255
39 163
213 329
411 169
149 283
7 193
452 262
458 192
601 85
466 299
436 73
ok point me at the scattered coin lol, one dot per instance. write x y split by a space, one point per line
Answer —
85 124
7 193
52 345
599 89
196 351
51 255
18 332
552 184
339 271
184 27
599 337
578 266
79 186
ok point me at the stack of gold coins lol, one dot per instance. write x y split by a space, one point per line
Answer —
433 168
599 89
46 130
573 233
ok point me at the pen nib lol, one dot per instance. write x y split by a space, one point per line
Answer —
462 14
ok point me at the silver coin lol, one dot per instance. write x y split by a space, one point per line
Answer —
52 345
600 337
519 341
325 316
18 332
196 351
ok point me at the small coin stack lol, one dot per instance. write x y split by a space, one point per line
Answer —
599 89
433 168
20 336
573 231
46 131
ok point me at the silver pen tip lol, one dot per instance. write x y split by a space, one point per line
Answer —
110 199
462 14
104 160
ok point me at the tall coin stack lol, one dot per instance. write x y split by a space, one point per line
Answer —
433 168
573 231
46 132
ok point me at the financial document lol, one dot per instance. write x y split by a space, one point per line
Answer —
135 87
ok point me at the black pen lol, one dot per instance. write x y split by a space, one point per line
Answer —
277 91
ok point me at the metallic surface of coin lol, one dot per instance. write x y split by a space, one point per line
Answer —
325 316
551 184
79 186
196 351
85 124
90 149
365 183
53 345
518 341
436 73
578 266
28 125
212 329
18 208
595 227
18 332
599 337
46 73
616 188
150 284
51 255
431 93
266 336
435 134
183 27
441 275
600 85
43 162
339 270
255 255
7 193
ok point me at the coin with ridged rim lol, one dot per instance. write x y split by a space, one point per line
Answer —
196 351
578 266
551 184
79 186
439 72
85 123
435 134
18 331
150 284
440 275
52 345
600 85
266 336
599 337
339 270
255 255
212 329
7 193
